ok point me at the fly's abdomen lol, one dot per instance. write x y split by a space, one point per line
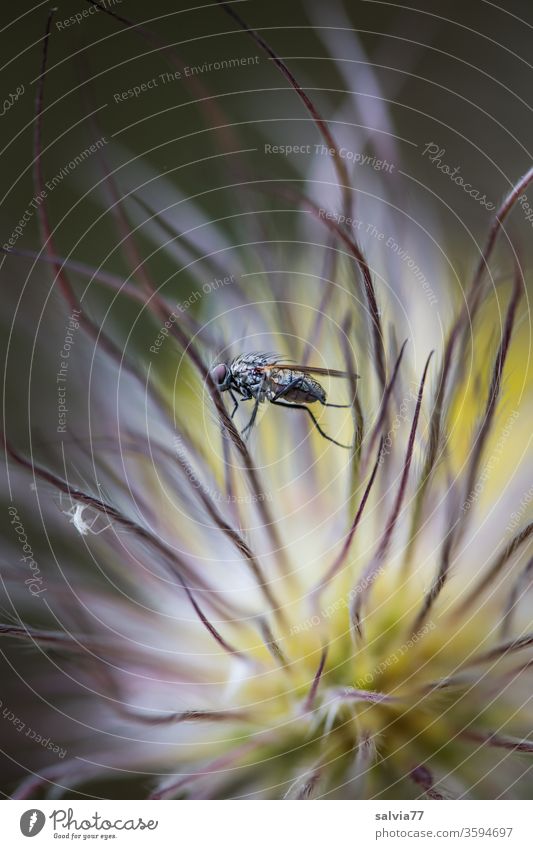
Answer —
305 391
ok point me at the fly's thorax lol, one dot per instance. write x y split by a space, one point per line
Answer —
247 363
246 379
249 375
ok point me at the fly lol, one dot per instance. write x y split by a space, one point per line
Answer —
264 378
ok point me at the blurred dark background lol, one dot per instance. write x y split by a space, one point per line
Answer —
453 73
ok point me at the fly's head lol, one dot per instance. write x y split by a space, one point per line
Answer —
221 374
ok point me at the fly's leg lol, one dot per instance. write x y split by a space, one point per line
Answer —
236 403
295 384
338 406
250 424
313 417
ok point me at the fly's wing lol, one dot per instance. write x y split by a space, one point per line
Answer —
328 372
